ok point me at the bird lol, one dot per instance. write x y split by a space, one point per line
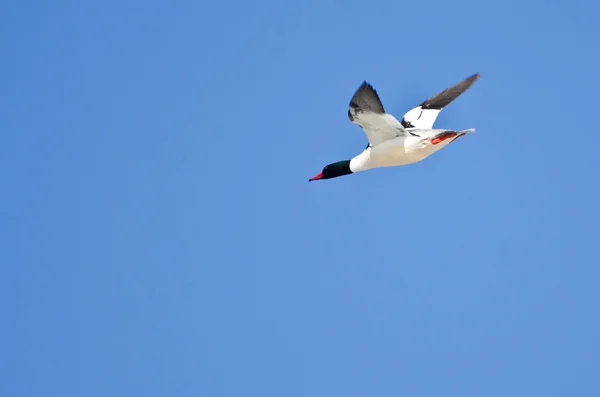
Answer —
393 142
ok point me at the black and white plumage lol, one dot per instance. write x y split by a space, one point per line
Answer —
366 110
424 115
365 100
392 142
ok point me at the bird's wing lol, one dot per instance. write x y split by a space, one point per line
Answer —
367 112
424 115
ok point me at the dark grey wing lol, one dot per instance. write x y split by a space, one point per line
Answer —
424 115
366 111
365 100
443 99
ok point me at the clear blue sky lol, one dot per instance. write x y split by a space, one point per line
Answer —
160 236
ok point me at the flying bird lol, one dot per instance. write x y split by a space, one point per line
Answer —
391 142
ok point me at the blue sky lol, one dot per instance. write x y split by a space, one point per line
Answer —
160 237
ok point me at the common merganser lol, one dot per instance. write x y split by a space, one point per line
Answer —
393 143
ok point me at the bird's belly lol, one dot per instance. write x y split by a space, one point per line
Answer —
398 152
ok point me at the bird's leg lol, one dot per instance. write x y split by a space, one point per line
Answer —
442 137
447 135
458 136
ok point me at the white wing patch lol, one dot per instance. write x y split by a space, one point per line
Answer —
420 118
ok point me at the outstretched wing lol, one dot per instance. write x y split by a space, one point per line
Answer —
366 111
424 115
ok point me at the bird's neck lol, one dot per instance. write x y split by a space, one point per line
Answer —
361 162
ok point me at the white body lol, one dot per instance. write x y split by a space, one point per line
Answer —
401 150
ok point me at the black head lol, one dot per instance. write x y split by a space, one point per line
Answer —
334 170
